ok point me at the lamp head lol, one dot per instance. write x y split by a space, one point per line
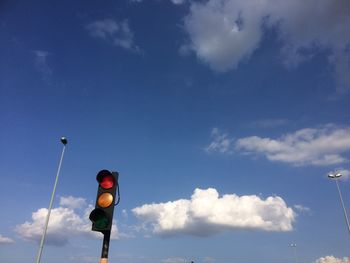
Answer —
64 140
334 175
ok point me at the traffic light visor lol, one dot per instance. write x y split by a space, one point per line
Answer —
99 218
105 179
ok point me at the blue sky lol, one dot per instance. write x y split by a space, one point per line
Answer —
223 119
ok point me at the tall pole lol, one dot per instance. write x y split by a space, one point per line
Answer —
335 176
64 142
294 247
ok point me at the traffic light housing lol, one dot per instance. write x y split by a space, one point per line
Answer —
102 216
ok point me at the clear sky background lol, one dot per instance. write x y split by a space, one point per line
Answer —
223 119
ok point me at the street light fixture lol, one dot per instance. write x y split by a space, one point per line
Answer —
335 175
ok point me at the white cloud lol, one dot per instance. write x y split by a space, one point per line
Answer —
308 146
6 240
118 33
72 202
206 213
332 259
221 143
223 33
323 146
65 222
302 209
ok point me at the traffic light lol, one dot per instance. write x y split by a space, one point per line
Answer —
102 216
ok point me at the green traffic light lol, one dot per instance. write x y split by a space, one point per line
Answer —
101 222
99 219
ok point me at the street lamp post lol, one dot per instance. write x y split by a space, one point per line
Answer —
335 176
294 247
64 141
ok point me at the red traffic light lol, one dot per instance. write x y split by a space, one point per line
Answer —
105 179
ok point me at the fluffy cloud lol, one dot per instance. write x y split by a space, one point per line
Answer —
223 33
307 146
206 213
5 240
118 34
332 259
65 222
323 146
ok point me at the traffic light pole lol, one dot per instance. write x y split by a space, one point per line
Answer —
105 246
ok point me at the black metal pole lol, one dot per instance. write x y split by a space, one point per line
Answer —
105 246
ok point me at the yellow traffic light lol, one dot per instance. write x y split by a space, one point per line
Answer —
105 200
